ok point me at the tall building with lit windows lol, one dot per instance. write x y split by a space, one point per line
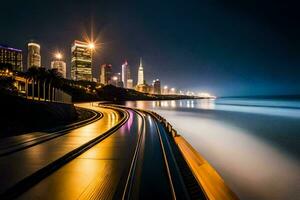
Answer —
60 66
141 79
9 55
125 73
81 61
105 74
156 86
33 55
130 84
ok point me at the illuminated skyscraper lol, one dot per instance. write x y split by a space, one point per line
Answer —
81 61
141 74
105 74
117 81
156 86
130 84
34 55
60 66
11 56
120 82
125 73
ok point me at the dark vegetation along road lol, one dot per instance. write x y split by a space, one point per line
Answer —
125 154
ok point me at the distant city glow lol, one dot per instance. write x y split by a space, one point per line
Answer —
206 95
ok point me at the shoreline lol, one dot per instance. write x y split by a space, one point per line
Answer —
161 99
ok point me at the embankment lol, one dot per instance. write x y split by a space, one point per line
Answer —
20 115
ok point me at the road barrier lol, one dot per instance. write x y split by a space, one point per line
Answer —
166 124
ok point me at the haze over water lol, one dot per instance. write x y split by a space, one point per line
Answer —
252 143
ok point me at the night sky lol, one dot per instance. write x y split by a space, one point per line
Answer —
248 47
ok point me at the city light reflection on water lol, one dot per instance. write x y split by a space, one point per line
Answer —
202 104
253 145
210 104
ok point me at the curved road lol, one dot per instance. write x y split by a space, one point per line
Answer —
102 171
19 165
132 162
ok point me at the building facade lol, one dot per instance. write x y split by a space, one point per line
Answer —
105 74
143 88
34 55
81 61
156 86
141 79
60 66
130 84
125 73
117 81
9 55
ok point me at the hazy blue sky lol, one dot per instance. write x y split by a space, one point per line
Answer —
227 47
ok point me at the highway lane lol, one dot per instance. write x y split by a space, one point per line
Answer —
19 165
98 173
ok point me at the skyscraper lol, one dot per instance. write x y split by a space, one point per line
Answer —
129 83
105 74
9 55
59 65
125 73
141 74
81 61
156 86
34 55
117 81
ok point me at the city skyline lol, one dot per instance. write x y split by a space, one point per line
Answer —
82 66
220 52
